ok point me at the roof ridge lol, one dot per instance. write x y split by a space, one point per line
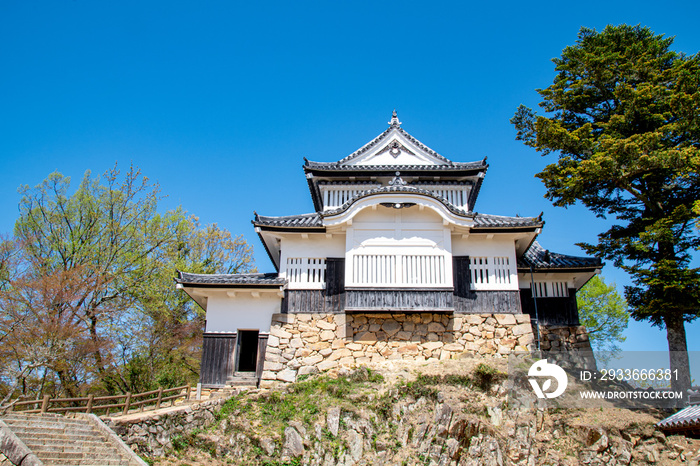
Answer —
394 125
310 214
454 165
538 256
366 147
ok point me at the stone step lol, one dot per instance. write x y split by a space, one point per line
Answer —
77 428
55 458
60 441
93 437
83 431
70 446
49 461
45 418
81 448
66 445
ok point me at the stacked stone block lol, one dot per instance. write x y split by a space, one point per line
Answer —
308 343
564 339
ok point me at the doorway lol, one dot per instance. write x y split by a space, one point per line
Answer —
247 351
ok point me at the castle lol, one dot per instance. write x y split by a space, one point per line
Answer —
393 264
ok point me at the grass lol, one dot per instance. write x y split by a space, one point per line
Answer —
306 400
483 377
192 439
486 376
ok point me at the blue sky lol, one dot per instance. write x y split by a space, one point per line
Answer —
219 101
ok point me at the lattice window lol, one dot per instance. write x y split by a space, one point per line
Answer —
398 270
550 290
423 270
492 273
457 195
306 270
335 196
501 267
374 269
480 271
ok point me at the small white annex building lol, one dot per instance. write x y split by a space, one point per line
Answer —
393 264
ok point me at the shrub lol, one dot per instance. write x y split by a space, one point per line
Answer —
485 376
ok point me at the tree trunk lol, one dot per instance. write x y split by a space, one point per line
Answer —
99 361
66 383
678 353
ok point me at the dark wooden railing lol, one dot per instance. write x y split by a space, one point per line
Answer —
122 404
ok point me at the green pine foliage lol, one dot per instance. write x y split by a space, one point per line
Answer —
623 117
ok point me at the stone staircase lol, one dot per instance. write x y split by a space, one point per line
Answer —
82 440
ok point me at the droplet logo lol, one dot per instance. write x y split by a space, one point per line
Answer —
542 368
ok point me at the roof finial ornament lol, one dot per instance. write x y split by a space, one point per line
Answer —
394 119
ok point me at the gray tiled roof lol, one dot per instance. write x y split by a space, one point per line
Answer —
383 136
337 166
229 279
540 258
688 418
315 220
501 221
294 221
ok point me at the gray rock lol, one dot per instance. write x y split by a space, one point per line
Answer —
452 449
293 443
268 445
496 415
299 427
443 416
484 450
355 441
390 326
318 430
333 420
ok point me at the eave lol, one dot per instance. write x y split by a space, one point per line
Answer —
505 229
332 170
557 270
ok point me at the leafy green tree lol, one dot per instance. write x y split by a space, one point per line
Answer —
87 300
623 115
604 314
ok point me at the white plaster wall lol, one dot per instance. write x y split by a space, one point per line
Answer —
386 227
242 312
573 279
475 245
419 157
479 246
319 246
316 245
391 231
402 159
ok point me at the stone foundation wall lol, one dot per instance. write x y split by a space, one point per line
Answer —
569 346
152 435
564 338
308 343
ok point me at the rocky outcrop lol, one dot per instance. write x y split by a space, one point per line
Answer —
436 418
303 344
